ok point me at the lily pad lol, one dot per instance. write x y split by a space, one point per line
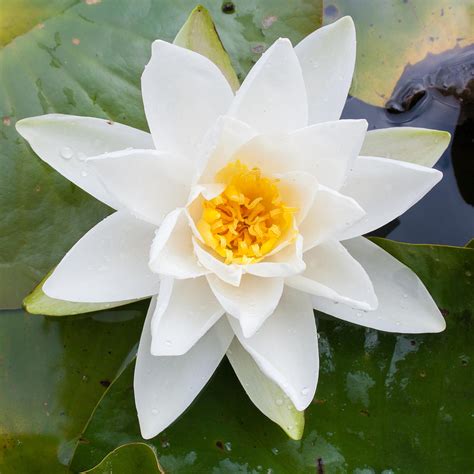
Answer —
383 401
86 58
53 372
398 33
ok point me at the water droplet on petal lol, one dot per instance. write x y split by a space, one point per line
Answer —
66 153
83 174
279 401
359 314
397 323
154 411
168 342
81 156
305 391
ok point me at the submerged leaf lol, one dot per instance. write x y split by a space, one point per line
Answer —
128 459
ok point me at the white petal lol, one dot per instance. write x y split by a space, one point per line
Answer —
298 189
327 59
273 97
110 263
189 310
230 274
252 302
404 303
150 184
420 146
183 93
288 261
330 214
317 150
332 272
165 386
172 250
286 347
65 141
328 150
220 145
385 189
266 395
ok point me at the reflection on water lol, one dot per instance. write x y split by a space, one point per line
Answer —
446 214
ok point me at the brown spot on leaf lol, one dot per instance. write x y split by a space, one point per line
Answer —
6 121
76 41
268 21
320 466
93 2
220 444
105 383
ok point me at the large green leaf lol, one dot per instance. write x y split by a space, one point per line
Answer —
52 374
129 459
86 59
385 402
396 33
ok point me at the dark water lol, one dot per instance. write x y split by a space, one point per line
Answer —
446 214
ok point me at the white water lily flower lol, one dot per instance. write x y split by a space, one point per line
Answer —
241 213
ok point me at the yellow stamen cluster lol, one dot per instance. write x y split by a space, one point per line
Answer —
247 220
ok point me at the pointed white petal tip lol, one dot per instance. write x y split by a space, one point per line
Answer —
347 22
437 325
22 124
285 41
405 305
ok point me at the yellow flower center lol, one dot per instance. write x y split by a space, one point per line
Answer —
248 219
